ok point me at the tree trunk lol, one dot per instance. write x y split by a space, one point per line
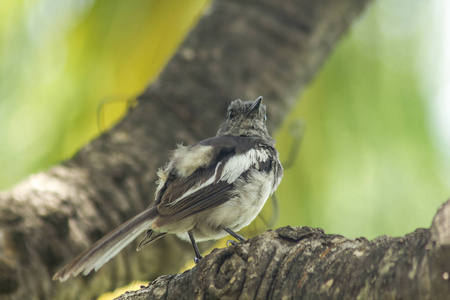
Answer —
305 263
239 49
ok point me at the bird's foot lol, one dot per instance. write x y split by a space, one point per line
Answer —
197 259
231 243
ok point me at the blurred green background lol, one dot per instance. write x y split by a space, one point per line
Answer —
373 158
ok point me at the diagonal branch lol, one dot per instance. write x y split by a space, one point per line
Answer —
239 49
306 263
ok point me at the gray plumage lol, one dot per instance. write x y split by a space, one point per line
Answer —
216 186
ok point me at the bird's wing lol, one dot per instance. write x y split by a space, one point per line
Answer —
201 176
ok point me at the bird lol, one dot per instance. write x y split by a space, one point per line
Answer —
206 191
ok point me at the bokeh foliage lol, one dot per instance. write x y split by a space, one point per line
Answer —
367 165
60 60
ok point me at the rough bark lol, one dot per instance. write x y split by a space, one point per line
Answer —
305 263
239 49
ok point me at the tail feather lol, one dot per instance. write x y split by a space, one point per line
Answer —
107 247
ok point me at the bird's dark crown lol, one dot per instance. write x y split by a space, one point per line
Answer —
245 119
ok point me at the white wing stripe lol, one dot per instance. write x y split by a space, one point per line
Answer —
232 169
197 188
238 164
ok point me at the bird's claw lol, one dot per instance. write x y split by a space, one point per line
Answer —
197 259
231 243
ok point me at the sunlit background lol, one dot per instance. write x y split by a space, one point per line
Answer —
374 153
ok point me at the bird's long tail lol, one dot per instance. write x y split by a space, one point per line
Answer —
108 247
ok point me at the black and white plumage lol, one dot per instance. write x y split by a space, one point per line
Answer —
207 190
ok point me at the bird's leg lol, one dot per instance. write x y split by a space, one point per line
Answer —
240 238
198 256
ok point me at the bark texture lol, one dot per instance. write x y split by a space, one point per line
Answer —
306 263
239 49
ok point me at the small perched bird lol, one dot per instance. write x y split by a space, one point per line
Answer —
207 190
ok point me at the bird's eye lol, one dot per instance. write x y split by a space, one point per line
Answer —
231 114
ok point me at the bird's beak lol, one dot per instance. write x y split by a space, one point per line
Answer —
255 105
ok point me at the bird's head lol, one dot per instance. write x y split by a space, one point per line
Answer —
245 119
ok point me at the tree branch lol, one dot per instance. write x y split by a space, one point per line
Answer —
306 263
239 49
